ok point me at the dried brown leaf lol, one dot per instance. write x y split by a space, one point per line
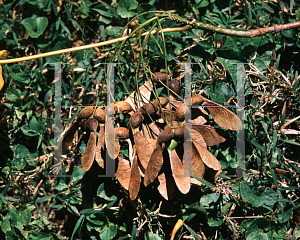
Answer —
183 183
87 158
211 137
154 165
123 172
135 180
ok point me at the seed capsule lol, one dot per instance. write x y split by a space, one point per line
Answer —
85 113
165 135
158 76
178 131
149 108
175 86
100 115
123 107
92 124
122 132
136 119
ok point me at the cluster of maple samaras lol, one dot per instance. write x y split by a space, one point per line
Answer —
156 149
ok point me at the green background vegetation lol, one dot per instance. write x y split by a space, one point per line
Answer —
263 205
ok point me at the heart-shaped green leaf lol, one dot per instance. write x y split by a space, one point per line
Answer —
35 26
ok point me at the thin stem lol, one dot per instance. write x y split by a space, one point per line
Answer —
166 66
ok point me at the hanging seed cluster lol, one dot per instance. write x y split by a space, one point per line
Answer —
155 142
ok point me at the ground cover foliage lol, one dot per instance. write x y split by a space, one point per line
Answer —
264 204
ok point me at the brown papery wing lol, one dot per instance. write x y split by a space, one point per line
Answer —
135 180
166 185
100 146
123 172
197 137
183 182
87 158
224 117
211 137
193 162
144 149
207 158
69 136
154 165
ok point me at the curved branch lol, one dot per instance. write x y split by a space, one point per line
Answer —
74 49
189 24
248 34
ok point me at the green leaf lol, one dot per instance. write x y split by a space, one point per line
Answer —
77 175
102 194
208 184
125 6
152 236
35 26
78 225
108 232
44 199
250 195
5 224
215 222
25 216
208 200
143 8
195 235
286 208
20 77
296 234
40 236
221 92
201 3
20 156
259 229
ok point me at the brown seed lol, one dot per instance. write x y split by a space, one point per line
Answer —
149 108
92 124
180 115
122 132
175 86
136 119
100 115
163 102
165 135
85 113
175 124
123 107
158 76
178 131
142 111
